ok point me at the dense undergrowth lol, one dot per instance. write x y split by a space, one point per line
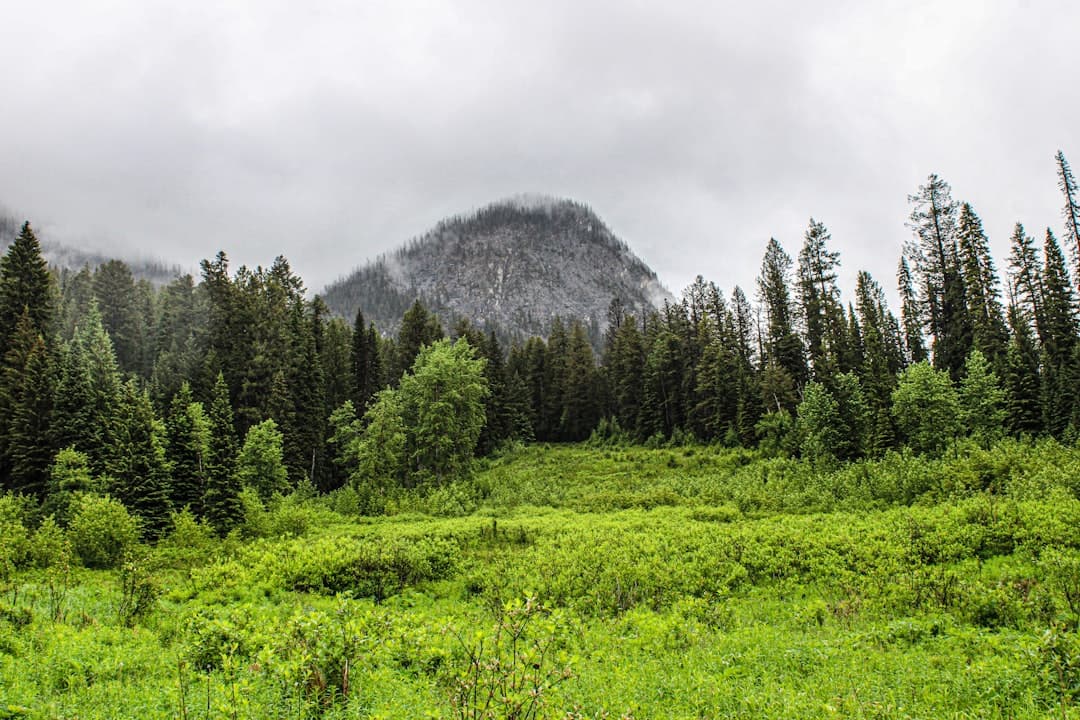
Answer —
575 582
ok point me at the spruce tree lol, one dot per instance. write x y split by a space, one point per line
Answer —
140 471
221 501
910 315
819 301
1071 211
1026 272
933 221
783 349
1021 379
25 283
418 328
581 410
28 451
981 284
185 451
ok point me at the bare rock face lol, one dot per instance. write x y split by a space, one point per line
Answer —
513 266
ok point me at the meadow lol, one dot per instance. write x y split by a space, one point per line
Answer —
574 581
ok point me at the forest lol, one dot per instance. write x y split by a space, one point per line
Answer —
219 500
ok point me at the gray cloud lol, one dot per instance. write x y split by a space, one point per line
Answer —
696 129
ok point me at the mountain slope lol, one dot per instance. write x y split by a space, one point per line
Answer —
513 265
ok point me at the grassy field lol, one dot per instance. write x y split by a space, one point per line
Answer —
584 582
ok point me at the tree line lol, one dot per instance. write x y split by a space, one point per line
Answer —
181 396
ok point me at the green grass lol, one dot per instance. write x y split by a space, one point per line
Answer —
669 583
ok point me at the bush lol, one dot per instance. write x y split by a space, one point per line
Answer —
101 530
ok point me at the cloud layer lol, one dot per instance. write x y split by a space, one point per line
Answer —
332 131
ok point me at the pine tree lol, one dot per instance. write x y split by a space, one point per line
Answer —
1023 406
140 470
879 366
418 328
581 411
25 284
221 501
1026 272
783 349
625 368
910 315
1058 331
819 301
114 292
1071 211
987 318
363 386
186 447
28 452
933 220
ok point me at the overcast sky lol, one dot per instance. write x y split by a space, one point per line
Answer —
333 131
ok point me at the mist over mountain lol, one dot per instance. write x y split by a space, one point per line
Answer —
514 266
65 257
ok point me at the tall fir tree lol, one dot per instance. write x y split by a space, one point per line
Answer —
28 388
783 349
819 301
910 314
987 317
933 221
186 446
221 500
25 283
1023 406
1071 211
140 470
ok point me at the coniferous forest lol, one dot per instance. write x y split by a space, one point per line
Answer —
777 500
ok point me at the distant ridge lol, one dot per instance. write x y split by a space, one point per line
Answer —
513 265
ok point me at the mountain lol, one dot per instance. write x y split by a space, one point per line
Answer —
512 266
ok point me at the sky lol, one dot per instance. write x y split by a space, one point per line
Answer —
332 131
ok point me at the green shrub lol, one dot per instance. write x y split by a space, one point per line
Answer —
101 530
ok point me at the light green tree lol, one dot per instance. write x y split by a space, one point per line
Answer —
818 423
926 408
982 400
260 465
442 404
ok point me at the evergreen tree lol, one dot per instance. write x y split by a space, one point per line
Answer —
933 220
880 360
581 409
553 383
783 349
221 501
27 449
661 402
363 360
987 318
1021 381
185 450
418 328
139 468
819 301
1071 211
818 424
910 315
1026 272
114 292
25 284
